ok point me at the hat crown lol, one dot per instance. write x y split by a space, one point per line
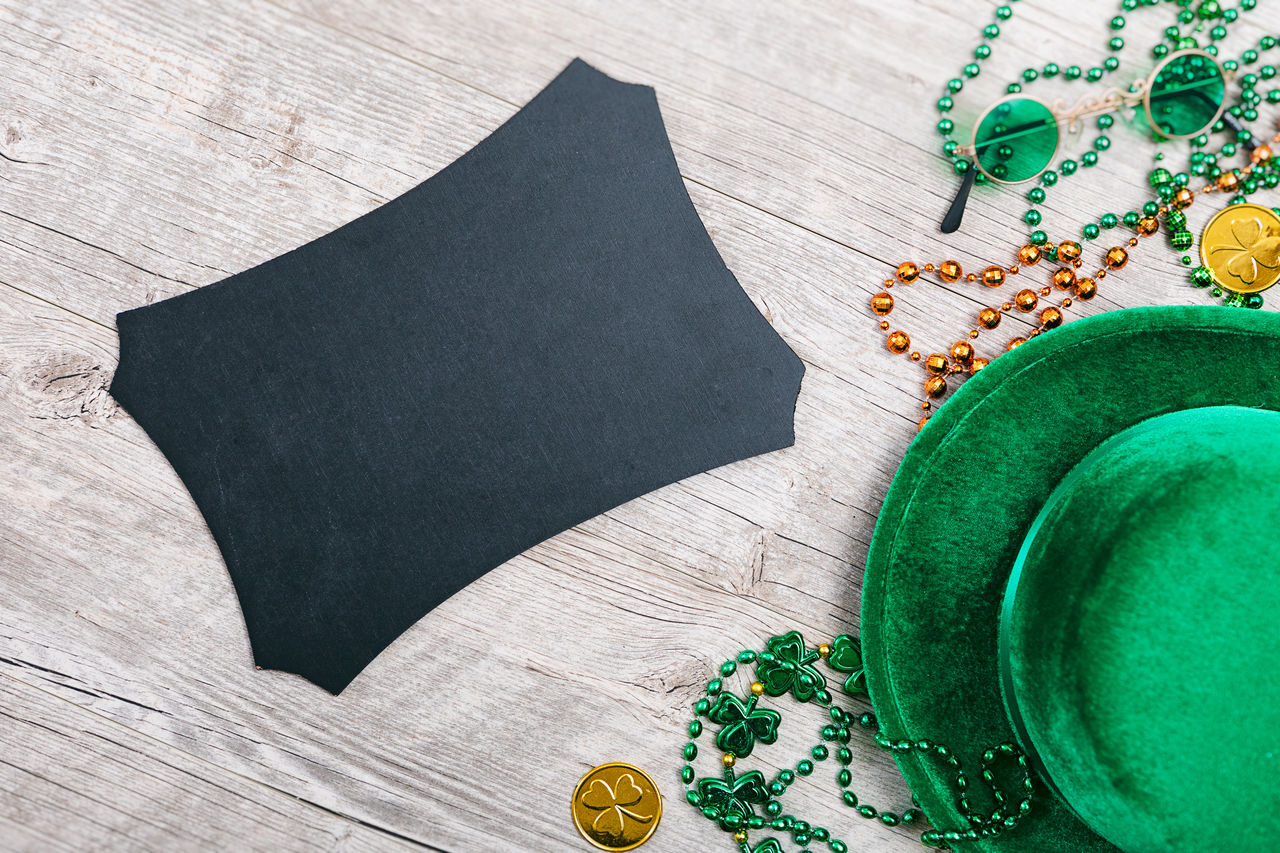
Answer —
1138 626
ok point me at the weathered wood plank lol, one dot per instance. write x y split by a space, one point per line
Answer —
73 780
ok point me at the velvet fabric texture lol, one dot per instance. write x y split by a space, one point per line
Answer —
536 334
966 493
1138 635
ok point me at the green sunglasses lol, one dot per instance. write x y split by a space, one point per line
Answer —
1016 138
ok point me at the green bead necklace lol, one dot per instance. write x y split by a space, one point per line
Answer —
740 803
1205 19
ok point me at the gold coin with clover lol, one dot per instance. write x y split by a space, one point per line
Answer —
748 805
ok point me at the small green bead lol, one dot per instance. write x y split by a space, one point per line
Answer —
1102 143
1073 72
1090 231
991 31
690 751
1036 195
1068 167
1093 75
972 70
1159 177
1089 158
711 813
1186 260
960 167
1030 75
714 686
1208 10
777 788
1201 277
850 799
1181 239
838 847
804 767
1105 121
954 85
746 657
867 811
773 808
1039 238
982 51
1032 217
1049 178
786 777
1109 220
889 819
686 774
1253 300
1004 13
1131 218
1112 63
695 728
844 756
1215 292
1013 88
820 753
1151 208
844 777
1051 70
1115 43
728 668
821 835
701 707
1117 23
694 798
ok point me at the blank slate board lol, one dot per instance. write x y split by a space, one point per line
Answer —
536 334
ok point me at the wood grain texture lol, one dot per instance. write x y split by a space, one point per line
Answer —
152 147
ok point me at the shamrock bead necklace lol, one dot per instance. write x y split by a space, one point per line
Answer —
788 666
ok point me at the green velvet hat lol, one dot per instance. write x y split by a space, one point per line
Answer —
1079 556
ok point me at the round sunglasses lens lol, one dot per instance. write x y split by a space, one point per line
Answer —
1016 140
1186 95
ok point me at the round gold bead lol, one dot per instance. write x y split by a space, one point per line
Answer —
1260 154
1148 225
1228 182
907 272
977 364
989 318
882 303
971 277
824 650
915 356
1017 342
1051 318
740 836
936 364
1183 198
757 688
929 267
884 325
1013 269
1026 299
962 352
1029 254
1045 291
1066 302
950 271
973 333
1006 306
993 276
1069 250
920 423
935 386
1086 289
728 759
1116 257
1064 278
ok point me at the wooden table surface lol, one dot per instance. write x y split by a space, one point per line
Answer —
153 147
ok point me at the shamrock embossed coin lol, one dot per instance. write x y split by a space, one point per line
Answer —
617 807
1241 247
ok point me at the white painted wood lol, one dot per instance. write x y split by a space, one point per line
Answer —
151 147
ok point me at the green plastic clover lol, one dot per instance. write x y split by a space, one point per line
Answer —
734 794
769 845
743 724
846 656
786 667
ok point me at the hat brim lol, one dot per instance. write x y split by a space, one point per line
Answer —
967 490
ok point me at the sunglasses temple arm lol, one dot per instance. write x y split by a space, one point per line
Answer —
951 222
1236 127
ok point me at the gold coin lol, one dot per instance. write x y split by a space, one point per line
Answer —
1241 247
617 807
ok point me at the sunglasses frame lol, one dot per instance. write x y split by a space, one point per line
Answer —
1109 101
